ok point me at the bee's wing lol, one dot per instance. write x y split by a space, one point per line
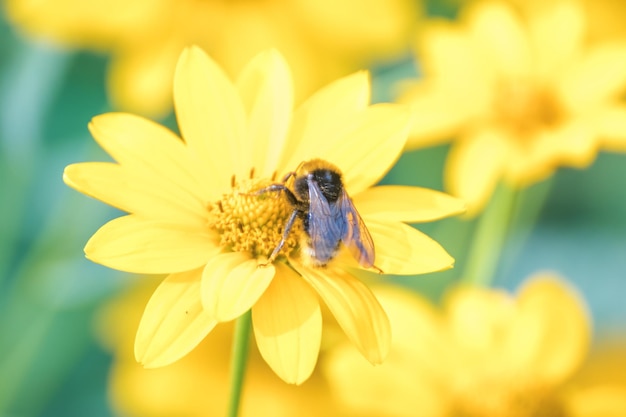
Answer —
355 235
325 224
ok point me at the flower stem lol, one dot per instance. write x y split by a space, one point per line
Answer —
489 237
238 361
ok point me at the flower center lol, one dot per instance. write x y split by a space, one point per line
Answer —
249 221
524 107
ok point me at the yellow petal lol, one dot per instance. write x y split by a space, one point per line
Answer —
266 89
150 197
135 79
151 150
406 381
596 78
575 143
366 145
602 400
96 26
552 331
370 145
394 388
611 124
449 56
356 28
555 48
474 167
402 250
462 82
417 328
494 310
323 113
355 308
288 326
406 204
231 283
500 35
136 141
210 115
436 114
173 322
135 244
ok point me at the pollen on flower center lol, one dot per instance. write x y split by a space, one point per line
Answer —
524 107
253 222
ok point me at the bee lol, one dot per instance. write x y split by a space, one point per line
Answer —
329 218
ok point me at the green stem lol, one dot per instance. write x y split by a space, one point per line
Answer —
528 207
238 361
489 236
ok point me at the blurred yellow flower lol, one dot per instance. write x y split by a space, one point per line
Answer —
604 18
599 388
484 354
195 386
322 39
522 93
194 215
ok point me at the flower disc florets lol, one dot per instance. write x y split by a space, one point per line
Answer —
525 108
249 221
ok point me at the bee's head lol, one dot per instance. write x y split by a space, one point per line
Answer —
326 175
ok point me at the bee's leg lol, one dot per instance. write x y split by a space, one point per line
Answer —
377 269
283 238
277 188
289 175
269 189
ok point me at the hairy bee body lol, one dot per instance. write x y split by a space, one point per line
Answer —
328 215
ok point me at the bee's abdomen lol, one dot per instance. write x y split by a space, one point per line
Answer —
318 256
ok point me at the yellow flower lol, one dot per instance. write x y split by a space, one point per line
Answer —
322 39
485 353
195 386
522 96
604 19
194 214
599 389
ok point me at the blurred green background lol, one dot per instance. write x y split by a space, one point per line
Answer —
50 361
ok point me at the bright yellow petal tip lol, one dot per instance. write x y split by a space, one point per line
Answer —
173 322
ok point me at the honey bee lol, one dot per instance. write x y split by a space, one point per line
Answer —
329 218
